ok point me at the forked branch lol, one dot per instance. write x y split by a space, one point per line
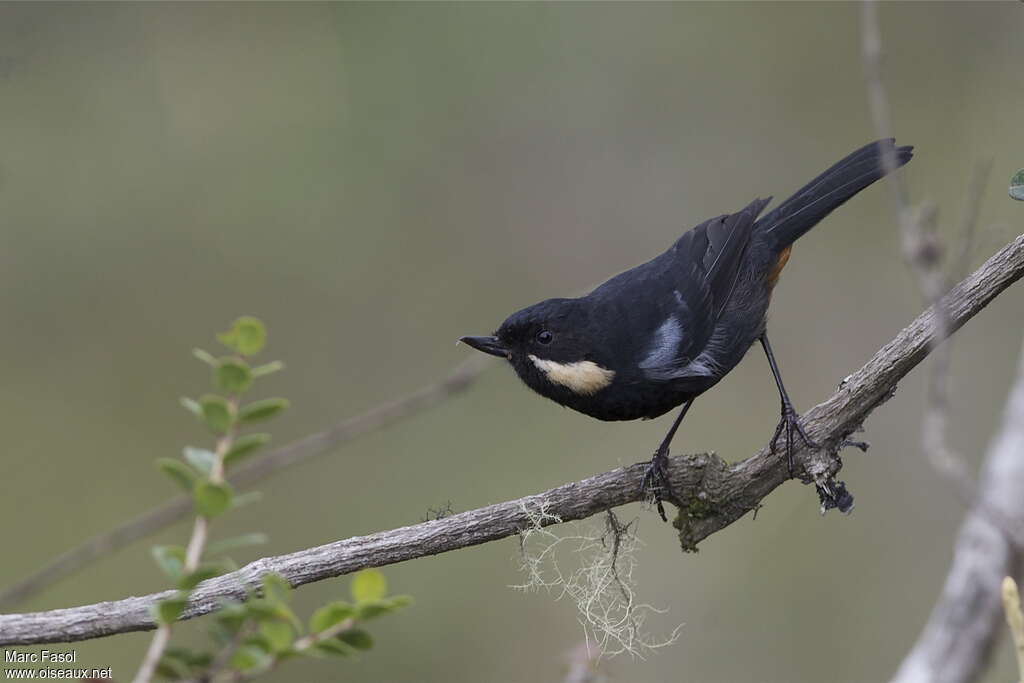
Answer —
714 494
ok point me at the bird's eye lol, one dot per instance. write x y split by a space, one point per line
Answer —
544 337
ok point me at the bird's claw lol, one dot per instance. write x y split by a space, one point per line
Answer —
656 485
790 422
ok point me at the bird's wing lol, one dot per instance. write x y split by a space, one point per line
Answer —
705 264
727 238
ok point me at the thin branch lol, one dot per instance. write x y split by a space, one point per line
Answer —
955 645
714 494
298 451
923 252
193 555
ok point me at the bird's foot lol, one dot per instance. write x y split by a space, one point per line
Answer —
656 485
790 423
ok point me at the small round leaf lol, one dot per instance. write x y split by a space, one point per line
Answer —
170 559
200 458
278 634
369 585
211 499
182 474
232 375
262 410
246 336
216 413
357 638
167 611
243 446
250 657
330 614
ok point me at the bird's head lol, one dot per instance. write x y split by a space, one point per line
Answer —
551 348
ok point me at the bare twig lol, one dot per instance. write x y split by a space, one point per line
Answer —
923 252
713 493
969 220
180 507
955 645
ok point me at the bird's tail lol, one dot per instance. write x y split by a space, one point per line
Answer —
801 212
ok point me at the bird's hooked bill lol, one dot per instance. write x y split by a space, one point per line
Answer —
491 345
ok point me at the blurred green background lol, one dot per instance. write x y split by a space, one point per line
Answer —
375 180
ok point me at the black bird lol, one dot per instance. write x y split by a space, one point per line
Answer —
662 333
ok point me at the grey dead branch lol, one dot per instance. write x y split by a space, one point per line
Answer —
713 493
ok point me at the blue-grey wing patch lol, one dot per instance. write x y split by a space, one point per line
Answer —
664 347
710 256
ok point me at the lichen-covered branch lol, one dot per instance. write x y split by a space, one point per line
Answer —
713 493
180 507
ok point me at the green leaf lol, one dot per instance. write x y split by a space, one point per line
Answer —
250 657
204 572
192 406
400 601
261 608
231 616
267 368
369 585
275 588
190 659
278 634
232 375
211 499
246 336
372 609
222 546
216 413
243 446
172 669
205 356
182 663
375 608
200 458
1017 185
170 559
330 614
182 474
357 638
333 647
262 410
167 611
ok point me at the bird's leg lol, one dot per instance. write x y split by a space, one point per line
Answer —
790 420
656 479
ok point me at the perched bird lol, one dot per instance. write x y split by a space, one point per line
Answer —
659 335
